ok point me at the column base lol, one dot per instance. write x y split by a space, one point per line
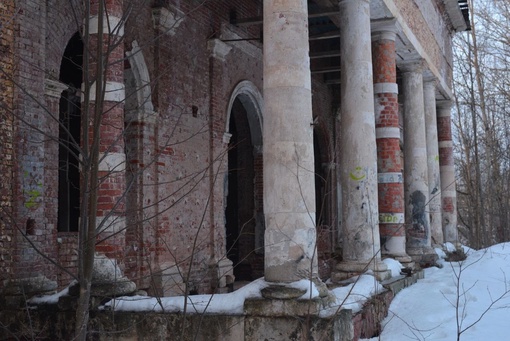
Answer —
281 292
348 269
404 259
273 319
423 256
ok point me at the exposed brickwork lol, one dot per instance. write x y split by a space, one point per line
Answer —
385 68
32 192
391 194
7 65
444 131
176 156
67 245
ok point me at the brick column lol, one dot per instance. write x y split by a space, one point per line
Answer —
111 177
415 165
429 95
389 161
448 191
289 185
358 159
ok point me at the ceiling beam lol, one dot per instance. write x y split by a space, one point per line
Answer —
326 69
328 35
325 54
323 12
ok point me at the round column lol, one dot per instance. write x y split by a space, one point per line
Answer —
289 187
358 160
389 161
447 168
416 186
429 95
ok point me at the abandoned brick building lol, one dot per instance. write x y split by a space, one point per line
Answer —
241 138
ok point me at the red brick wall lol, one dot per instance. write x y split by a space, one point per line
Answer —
7 14
183 222
31 188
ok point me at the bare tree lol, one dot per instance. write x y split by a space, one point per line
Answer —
481 123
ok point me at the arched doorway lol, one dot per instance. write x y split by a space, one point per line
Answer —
69 137
244 218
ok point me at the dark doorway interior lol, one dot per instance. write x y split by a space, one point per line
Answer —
320 182
69 137
240 210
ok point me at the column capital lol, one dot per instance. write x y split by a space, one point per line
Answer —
54 88
444 104
340 2
429 81
218 49
385 29
413 65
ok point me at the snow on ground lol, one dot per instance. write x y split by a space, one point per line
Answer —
477 290
428 309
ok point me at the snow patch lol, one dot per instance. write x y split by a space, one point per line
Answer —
394 266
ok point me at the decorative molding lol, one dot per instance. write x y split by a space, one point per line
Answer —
218 49
244 46
54 88
142 84
167 20
252 100
385 29
226 137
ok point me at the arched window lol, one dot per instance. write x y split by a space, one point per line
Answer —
69 137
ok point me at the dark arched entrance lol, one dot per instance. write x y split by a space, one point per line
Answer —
244 211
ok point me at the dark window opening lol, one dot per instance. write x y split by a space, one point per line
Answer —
69 137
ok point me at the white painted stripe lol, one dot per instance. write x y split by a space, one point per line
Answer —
111 25
385 88
448 193
114 92
445 144
112 162
390 178
447 169
387 133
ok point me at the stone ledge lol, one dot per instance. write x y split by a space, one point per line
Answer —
396 284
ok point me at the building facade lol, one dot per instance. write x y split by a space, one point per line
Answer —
238 139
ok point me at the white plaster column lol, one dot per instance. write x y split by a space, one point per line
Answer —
447 167
416 188
360 216
289 187
429 96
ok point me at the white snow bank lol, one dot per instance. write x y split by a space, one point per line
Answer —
394 266
231 303
354 295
